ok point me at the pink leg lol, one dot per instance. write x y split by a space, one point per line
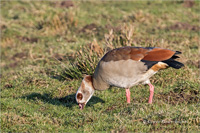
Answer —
128 98
151 93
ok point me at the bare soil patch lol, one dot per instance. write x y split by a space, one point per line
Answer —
64 4
90 27
179 98
184 26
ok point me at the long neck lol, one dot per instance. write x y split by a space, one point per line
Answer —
99 84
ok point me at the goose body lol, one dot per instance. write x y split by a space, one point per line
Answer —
126 67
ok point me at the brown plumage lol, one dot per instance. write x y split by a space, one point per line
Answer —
125 67
138 53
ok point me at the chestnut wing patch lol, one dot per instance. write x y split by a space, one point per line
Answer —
125 53
159 54
138 53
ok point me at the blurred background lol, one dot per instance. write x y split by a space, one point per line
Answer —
33 32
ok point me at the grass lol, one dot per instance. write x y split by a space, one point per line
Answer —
46 49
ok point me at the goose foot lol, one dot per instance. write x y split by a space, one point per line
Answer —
128 93
151 93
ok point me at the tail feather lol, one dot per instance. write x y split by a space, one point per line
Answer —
170 62
173 63
178 52
175 57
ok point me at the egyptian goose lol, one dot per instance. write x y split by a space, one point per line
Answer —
125 67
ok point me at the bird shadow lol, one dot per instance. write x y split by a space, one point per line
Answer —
67 101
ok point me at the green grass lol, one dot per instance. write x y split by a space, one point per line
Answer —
47 48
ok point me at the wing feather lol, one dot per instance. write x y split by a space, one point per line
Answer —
138 53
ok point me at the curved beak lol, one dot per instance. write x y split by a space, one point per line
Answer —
81 106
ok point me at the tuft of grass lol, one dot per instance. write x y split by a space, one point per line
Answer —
86 59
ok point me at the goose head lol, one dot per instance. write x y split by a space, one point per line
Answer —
85 91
